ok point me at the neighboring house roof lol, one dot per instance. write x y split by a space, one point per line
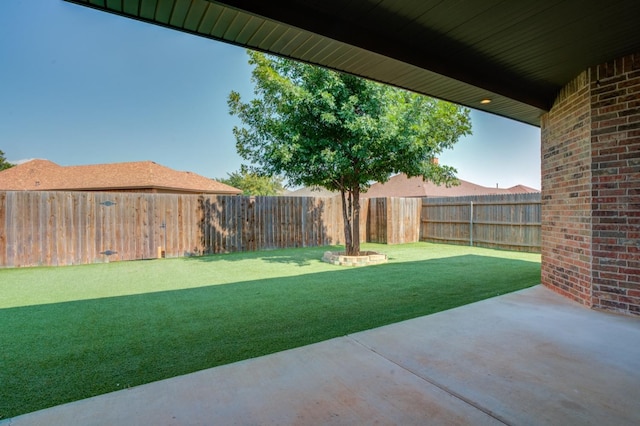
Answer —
312 191
521 189
402 186
44 175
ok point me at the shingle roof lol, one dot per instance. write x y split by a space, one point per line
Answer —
402 186
522 189
312 191
43 175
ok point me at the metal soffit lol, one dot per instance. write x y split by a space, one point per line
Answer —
518 55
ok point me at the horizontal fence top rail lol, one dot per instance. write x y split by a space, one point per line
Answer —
533 197
476 222
480 203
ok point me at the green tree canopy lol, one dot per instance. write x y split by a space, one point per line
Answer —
4 164
251 183
317 127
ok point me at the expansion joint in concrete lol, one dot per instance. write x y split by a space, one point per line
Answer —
435 383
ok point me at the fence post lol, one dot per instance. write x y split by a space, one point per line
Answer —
471 223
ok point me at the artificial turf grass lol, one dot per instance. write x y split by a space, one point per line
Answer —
93 329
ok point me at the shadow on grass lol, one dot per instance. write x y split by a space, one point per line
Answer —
297 256
62 352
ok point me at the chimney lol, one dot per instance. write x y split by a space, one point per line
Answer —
435 161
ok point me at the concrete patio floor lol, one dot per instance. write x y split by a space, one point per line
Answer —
526 358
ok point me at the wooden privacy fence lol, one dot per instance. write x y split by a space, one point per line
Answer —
66 228
391 220
511 221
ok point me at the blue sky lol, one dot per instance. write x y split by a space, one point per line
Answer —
78 86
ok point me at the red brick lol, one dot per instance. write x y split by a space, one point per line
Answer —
590 182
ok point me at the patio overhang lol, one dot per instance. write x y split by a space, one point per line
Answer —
515 55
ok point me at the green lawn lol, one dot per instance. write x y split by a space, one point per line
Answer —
73 332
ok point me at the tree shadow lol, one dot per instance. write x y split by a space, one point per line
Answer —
298 256
88 347
230 224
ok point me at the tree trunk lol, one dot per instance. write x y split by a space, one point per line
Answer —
355 226
346 216
351 216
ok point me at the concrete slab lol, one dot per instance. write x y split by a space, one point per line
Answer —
530 357
335 382
527 358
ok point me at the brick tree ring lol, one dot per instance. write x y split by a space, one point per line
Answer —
365 258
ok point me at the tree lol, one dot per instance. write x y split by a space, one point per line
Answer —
4 164
318 127
252 183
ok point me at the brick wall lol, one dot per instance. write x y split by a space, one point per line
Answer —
566 193
591 188
615 150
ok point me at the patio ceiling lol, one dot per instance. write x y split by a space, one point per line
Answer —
517 54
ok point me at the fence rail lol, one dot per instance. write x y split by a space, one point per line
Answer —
511 221
40 228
